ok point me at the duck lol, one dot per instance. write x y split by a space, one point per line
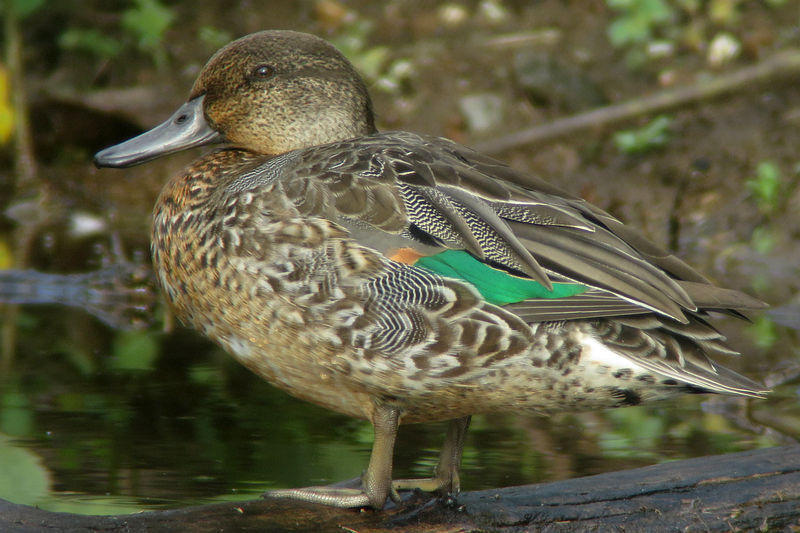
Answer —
403 278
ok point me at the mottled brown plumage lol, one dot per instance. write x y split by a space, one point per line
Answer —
298 248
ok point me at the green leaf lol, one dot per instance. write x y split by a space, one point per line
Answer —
763 239
148 21
653 135
638 21
655 11
766 186
628 30
371 61
91 41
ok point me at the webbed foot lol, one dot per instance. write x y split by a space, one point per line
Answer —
333 496
376 484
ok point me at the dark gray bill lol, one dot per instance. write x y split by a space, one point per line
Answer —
186 128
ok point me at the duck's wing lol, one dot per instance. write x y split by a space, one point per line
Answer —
400 191
599 304
682 352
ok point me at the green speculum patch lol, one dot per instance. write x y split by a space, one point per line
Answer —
497 286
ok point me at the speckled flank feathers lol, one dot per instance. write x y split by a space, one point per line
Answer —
302 249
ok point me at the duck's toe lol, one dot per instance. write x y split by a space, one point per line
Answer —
331 496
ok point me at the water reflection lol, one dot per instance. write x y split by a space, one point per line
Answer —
122 296
95 420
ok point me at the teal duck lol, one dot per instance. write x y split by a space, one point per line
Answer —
401 278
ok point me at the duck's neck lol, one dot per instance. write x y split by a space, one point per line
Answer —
193 186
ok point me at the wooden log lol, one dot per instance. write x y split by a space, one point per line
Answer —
755 490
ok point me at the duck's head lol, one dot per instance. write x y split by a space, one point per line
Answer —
268 92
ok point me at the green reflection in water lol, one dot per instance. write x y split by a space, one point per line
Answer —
25 479
97 421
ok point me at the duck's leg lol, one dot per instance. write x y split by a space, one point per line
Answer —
446 480
376 481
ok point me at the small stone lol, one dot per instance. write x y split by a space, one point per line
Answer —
723 48
482 112
453 15
493 11
660 49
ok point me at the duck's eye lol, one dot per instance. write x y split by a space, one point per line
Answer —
262 72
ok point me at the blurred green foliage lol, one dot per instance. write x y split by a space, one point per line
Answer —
770 191
638 20
134 350
636 433
373 62
638 25
23 8
147 21
142 25
647 30
16 414
654 134
214 38
764 331
763 239
766 187
25 479
91 41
